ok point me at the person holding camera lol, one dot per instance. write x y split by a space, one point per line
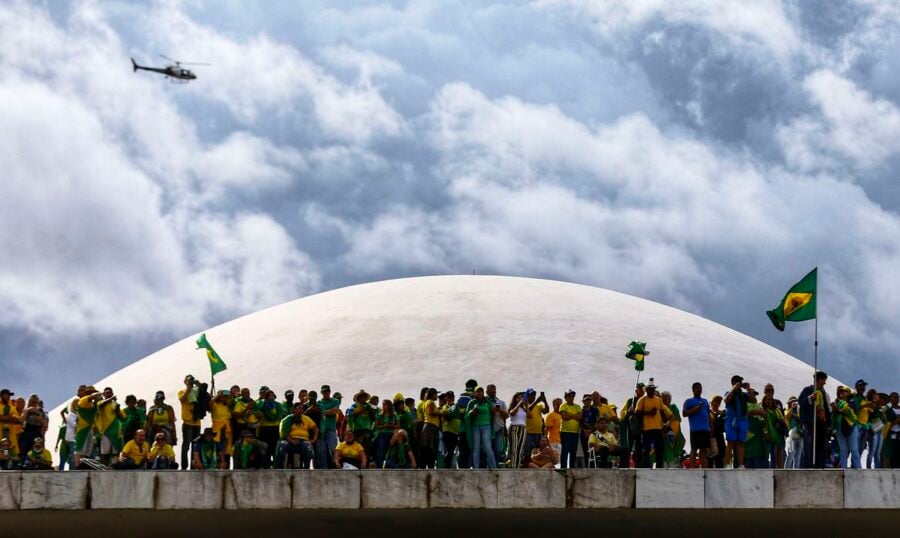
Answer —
536 407
9 456
517 418
161 419
737 421
206 452
38 458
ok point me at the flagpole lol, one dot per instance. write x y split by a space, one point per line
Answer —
816 398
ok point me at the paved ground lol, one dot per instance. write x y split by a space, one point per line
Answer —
499 523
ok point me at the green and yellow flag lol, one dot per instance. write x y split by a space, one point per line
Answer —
799 304
637 351
216 364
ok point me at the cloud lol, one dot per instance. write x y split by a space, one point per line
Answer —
113 219
853 124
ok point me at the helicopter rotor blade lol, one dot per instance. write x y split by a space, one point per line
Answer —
167 58
194 63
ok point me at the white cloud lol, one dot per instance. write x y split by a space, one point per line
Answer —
853 124
256 76
760 23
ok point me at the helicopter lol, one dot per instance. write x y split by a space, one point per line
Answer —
173 72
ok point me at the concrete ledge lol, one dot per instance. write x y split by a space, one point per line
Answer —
326 489
394 489
805 489
871 488
10 490
122 489
190 491
603 488
669 488
463 489
739 488
255 490
51 490
531 488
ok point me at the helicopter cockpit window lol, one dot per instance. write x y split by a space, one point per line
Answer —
184 71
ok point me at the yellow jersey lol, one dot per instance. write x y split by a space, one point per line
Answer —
137 452
430 412
353 450
165 451
187 411
534 421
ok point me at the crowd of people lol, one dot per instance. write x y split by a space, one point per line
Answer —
475 429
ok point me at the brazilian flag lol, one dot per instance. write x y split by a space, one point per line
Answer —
216 364
799 304
637 351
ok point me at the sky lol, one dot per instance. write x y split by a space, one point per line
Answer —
705 154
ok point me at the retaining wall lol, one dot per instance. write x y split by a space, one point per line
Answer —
642 489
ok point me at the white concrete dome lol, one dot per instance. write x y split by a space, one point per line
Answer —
400 335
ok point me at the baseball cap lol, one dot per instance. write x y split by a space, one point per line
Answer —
264 388
570 391
338 396
324 388
398 397
860 382
7 391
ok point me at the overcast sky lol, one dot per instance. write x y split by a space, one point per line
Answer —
705 154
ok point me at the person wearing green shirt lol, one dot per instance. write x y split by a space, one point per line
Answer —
673 445
270 415
776 432
479 416
399 454
135 418
846 428
330 408
756 448
361 420
386 423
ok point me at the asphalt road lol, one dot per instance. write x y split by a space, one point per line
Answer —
440 523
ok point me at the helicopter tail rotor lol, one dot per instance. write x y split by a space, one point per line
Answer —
134 65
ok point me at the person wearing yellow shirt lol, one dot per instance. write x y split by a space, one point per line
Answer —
569 430
38 458
604 444
9 419
108 424
349 454
135 453
536 408
84 427
162 455
298 434
190 426
220 410
428 440
553 423
652 411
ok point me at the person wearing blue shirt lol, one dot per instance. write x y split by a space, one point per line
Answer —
736 422
697 411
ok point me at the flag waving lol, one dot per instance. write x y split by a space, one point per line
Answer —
216 364
637 352
799 304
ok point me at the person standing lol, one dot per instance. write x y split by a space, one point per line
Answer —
330 409
846 429
271 413
534 421
892 414
517 419
652 412
428 445
9 419
795 434
553 425
630 426
776 431
464 441
220 411
386 422
717 432
815 412
737 423
589 415
697 410
479 413
190 426
570 429
451 417
498 424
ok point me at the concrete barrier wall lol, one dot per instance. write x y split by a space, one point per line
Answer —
643 489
